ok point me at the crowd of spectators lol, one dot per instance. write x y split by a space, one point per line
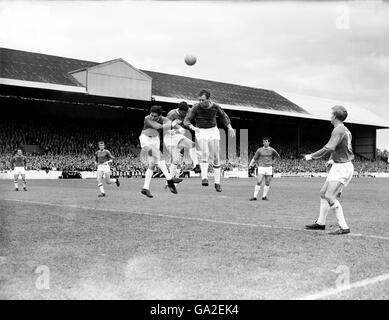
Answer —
71 147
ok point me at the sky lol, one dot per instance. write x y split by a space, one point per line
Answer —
335 50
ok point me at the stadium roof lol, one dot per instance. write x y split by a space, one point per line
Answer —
30 69
179 87
320 108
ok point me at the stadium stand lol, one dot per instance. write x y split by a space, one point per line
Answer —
58 108
71 146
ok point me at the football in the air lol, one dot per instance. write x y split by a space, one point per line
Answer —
190 60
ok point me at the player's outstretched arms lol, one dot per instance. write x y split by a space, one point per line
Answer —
319 154
327 149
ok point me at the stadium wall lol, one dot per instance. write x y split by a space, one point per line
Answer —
45 175
283 130
364 141
54 175
33 174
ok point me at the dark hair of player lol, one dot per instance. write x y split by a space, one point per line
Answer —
266 138
205 93
339 112
183 106
101 142
156 109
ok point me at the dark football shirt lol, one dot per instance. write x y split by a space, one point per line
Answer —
205 117
19 161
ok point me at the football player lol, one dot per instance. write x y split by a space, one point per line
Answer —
149 139
264 158
102 160
175 140
18 164
207 134
341 154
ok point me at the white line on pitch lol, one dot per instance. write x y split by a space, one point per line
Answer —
184 218
334 291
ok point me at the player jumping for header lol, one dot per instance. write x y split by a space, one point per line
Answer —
18 164
207 134
175 139
150 142
102 159
264 158
341 173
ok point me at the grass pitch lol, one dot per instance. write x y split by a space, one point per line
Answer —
198 244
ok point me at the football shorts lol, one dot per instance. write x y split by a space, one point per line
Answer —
208 134
146 141
266 171
342 172
104 168
172 140
19 170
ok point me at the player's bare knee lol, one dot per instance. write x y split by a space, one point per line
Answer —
329 197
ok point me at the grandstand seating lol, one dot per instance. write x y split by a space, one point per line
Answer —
71 146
